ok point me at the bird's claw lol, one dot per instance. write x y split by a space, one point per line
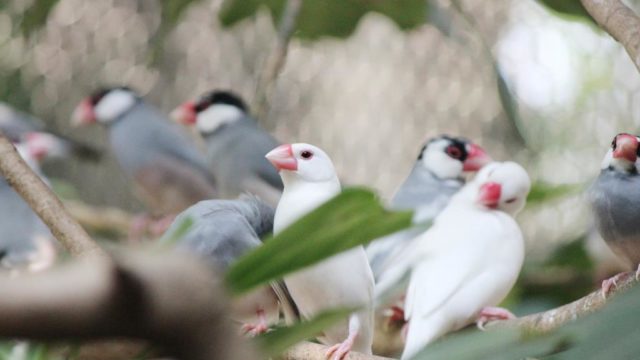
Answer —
491 313
339 351
254 330
611 283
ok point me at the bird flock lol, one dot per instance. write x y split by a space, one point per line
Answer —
451 269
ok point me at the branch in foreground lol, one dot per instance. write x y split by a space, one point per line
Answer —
312 351
549 320
277 57
171 300
620 22
42 200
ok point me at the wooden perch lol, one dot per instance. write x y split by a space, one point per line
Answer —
312 351
171 300
100 219
551 319
620 22
42 200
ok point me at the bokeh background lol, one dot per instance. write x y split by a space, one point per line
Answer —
370 99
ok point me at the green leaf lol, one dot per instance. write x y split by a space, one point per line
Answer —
36 15
571 9
277 341
542 192
176 231
353 218
337 18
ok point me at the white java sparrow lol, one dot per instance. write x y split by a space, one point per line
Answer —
435 177
343 280
168 171
470 258
615 201
235 143
224 230
25 241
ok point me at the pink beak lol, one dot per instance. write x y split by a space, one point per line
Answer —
489 194
626 147
476 159
37 145
282 158
185 114
83 114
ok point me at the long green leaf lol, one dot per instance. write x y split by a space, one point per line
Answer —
277 341
572 9
36 15
542 192
353 218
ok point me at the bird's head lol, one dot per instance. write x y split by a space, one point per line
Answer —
41 146
448 157
623 153
303 162
502 186
211 111
104 105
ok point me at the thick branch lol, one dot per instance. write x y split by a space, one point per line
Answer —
276 58
42 200
170 300
312 351
620 22
554 318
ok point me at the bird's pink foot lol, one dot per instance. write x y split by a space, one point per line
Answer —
611 283
491 313
145 225
256 329
159 226
139 226
340 351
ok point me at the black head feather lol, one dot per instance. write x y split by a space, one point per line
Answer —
220 97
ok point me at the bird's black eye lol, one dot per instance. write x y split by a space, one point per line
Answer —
613 143
306 154
511 200
454 152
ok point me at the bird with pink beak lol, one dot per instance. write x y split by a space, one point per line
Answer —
615 202
467 261
341 281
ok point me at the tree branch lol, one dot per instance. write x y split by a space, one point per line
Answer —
620 22
171 300
276 59
549 320
100 219
313 351
42 200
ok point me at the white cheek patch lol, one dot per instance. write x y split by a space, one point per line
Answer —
113 105
442 165
217 115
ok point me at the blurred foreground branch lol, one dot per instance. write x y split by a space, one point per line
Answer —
42 200
549 320
171 300
620 22
276 59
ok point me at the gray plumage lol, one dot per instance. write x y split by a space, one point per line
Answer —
167 168
615 201
425 194
224 230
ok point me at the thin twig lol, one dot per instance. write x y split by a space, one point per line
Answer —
42 200
620 22
277 58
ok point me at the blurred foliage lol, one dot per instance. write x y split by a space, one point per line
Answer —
353 218
569 8
542 192
280 339
337 18
36 15
611 333
572 254
177 231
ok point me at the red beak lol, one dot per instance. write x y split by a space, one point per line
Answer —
282 158
185 114
83 113
476 158
489 194
626 147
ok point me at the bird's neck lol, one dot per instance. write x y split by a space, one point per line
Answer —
299 198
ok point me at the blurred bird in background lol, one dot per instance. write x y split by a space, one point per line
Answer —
615 201
168 171
26 244
343 280
235 143
470 258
